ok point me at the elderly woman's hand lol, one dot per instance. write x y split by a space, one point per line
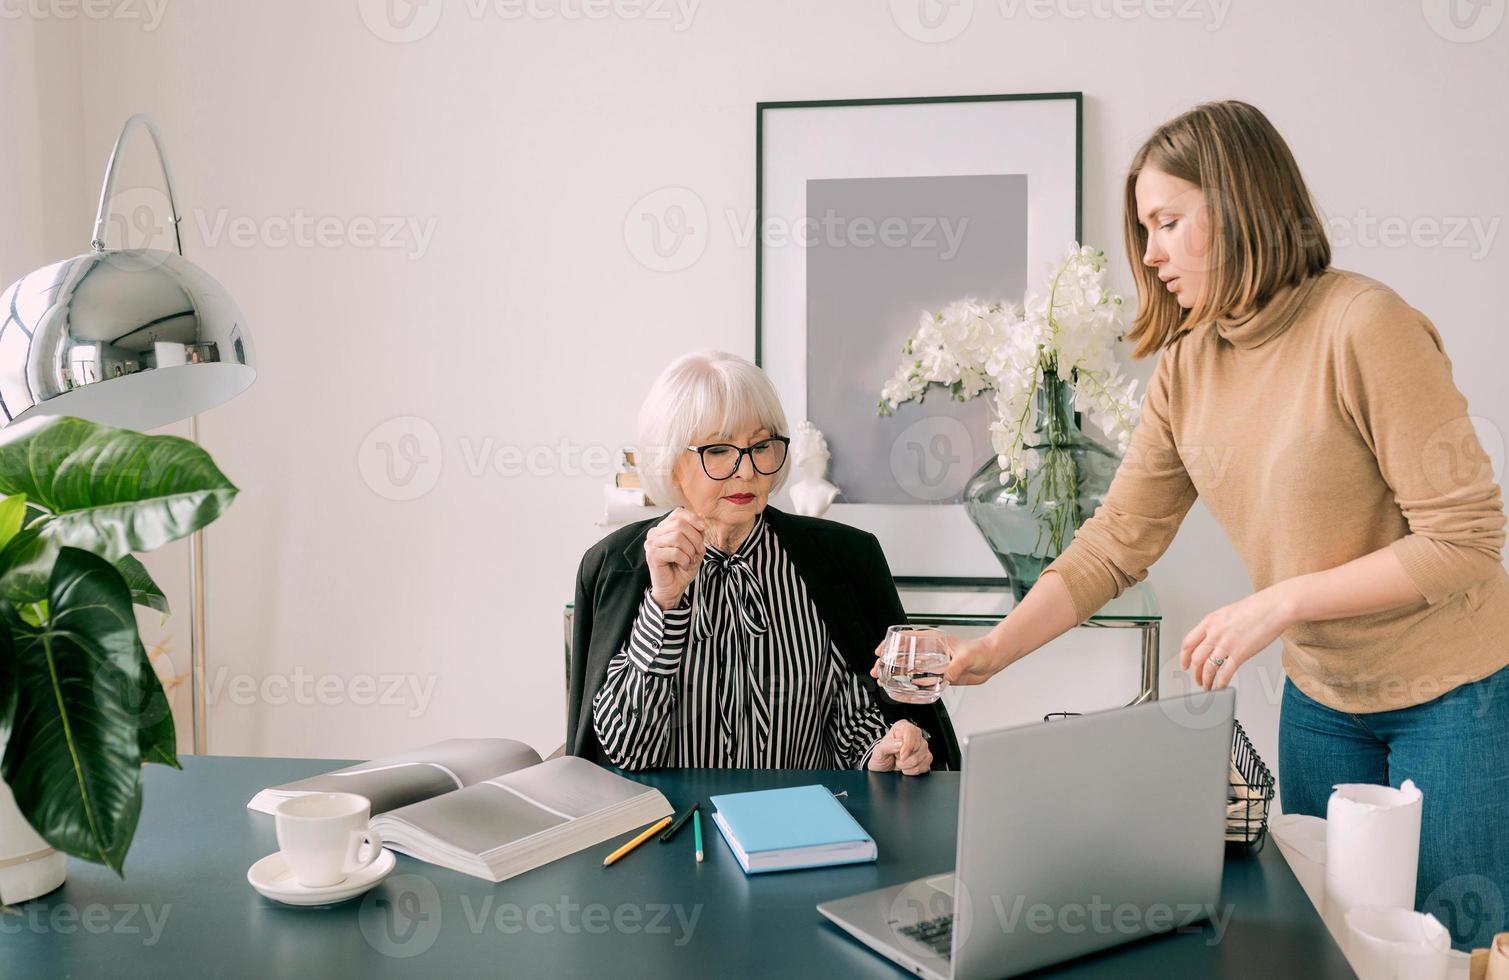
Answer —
904 747
673 549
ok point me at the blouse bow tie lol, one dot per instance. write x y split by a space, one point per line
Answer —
729 580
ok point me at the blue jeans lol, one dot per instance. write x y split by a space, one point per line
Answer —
1456 749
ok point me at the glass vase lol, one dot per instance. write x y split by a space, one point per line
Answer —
1029 521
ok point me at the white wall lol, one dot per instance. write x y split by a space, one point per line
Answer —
528 321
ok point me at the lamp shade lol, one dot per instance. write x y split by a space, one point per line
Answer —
136 338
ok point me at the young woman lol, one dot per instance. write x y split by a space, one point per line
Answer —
1314 411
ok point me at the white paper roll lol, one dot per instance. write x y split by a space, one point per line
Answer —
1305 834
170 354
1372 849
1386 943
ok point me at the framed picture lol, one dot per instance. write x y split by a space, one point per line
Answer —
871 213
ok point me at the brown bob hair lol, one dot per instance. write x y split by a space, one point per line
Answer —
1265 232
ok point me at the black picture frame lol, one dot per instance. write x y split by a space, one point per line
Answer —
761 108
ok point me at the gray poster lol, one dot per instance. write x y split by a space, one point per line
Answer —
881 250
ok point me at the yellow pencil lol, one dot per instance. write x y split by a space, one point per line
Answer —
646 835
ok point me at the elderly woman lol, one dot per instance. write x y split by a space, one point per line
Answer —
729 634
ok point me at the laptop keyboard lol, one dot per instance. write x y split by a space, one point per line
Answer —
936 934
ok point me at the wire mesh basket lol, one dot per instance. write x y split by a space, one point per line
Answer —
1249 796
1249 792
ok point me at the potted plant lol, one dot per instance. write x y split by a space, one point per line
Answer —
81 707
1044 363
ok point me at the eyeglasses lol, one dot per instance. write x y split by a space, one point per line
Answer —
721 460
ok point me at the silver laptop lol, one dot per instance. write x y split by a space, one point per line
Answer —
1073 836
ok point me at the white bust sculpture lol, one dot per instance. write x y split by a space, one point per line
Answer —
812 494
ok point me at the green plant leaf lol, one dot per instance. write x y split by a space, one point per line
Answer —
144 591
12 510
8 679
106 490
73 752
157 737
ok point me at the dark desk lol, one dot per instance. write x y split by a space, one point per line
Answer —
185 908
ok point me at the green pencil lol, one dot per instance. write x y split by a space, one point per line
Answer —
697 831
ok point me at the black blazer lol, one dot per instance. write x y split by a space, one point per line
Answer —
847 578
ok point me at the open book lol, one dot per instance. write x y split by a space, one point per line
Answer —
486 806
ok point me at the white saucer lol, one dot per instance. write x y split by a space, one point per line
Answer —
271 877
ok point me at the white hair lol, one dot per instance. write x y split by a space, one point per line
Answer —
707 393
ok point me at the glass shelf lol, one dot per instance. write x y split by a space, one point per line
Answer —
968 603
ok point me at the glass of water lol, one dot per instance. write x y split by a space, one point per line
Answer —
912 662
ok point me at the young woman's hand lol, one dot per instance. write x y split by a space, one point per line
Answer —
974 661
904 748
1232 635
673 549
970 661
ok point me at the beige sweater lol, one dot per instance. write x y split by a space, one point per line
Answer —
1322 428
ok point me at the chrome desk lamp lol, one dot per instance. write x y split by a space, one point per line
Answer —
131 337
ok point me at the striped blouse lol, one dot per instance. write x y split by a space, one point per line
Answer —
742 673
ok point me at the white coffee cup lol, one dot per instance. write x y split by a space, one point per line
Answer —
321 837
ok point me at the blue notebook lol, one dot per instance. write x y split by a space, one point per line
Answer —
799 827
